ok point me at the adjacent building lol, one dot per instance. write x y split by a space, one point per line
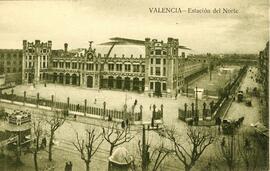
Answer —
151 66
264 74
11 65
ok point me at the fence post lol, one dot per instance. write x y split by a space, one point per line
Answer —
12 93
104 109
37 99
85 105
24 97
185 113
52 102
161 108
204 110
154 111
192 110
140 116
68 103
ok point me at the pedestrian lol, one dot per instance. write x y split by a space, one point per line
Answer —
127 122
95 102
70 166
75 116
135 102
67 167
44 142
123 124
150 106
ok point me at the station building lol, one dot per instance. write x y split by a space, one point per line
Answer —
150 66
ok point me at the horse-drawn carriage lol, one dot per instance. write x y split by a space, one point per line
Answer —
229 126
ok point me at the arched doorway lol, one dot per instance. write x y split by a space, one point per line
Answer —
127 83
74 79
158 89
143 82
61 78
89 81
136 84
118 82
110 82
67 78
30 77
54 77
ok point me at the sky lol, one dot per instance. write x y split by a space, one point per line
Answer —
77 22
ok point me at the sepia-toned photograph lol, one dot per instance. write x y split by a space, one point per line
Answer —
134 85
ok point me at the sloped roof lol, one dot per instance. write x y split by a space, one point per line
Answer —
120 50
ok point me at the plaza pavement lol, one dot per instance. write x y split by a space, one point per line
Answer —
114 99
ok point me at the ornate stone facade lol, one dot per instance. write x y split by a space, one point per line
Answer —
153 67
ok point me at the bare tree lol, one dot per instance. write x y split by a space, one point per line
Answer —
227 152
157 155
54 123
37 134
86 148
248 153
116 136
199 139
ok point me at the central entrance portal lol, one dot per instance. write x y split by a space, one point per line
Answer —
158 89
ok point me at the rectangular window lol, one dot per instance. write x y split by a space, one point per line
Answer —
8 70
136 68
164 61
164 71
96 67
44 50
118 67
44 64
151 71
158 61
152 60
151 85
74 65
158 52
127 67
61 64
164 86
67 64
143 68
44 57
157 70
111 67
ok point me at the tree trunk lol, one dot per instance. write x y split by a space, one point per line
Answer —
50 146
35 161
111 151
87 166
187 168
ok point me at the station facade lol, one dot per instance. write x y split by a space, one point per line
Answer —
154 67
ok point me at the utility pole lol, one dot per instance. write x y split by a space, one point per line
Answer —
196 106
187 88
145 153
144 163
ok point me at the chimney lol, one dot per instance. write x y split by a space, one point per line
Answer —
66 47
